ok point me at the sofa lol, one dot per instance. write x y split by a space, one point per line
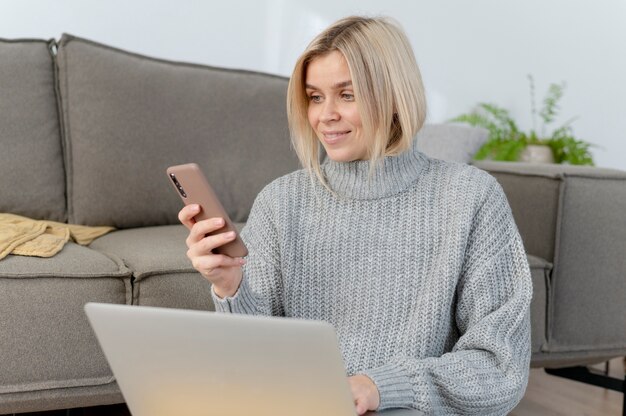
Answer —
86 133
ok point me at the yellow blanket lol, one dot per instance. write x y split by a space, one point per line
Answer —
27 237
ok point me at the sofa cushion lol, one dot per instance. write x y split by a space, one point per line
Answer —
163 275
32 178
47 342
128 117
452 142
148 251
72 261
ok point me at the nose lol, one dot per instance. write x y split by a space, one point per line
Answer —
329 112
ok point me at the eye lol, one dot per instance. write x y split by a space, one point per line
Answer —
315 98
347 96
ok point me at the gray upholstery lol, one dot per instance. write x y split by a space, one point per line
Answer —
589 280
540 274
574 217
163 275
148 250
62 398
127 118
534 201
47 342
452 142
72 261
31 160
185 291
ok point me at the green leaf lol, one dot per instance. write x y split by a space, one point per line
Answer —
500 115
567 149
506 142
550 107
508 150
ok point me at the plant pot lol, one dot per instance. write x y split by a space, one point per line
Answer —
537 153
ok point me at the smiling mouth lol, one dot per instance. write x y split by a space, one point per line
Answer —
334 136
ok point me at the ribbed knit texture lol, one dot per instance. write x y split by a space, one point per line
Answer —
420 268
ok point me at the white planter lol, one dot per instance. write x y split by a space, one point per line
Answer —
535 153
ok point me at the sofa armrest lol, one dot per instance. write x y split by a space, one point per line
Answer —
575 218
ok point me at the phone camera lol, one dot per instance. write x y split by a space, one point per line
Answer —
180 188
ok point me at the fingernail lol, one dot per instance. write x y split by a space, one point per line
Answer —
230 234
218 221
195 208
242 261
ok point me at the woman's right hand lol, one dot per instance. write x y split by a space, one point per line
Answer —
222 271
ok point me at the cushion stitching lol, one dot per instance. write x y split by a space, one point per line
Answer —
67 38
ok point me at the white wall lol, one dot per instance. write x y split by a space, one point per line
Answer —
469 51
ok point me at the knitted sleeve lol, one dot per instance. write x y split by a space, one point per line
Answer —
486 372
260 292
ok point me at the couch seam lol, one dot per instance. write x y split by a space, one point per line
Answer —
134 300
611 174
68 38
66 135
123 267
65 276
25 40
61 384
53 44
547 278
140 276
587 348
557 252
122 270
130 274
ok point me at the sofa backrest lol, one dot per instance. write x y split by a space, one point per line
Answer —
128 117
32 179
125 118
541 194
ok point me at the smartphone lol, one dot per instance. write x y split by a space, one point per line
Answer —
193 188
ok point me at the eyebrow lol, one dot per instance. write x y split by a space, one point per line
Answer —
338 85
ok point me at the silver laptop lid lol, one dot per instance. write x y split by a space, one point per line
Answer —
178 362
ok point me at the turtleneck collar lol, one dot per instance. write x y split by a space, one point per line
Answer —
394 175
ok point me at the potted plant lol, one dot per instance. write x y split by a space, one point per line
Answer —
508 143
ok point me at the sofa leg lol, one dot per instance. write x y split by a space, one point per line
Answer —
584 375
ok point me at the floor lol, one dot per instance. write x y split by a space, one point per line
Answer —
546 395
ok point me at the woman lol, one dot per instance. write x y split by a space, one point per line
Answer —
416 262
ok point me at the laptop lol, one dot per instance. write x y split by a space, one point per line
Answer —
181 362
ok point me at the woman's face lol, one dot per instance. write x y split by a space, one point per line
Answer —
332 109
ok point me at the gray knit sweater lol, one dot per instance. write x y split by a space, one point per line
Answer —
420 269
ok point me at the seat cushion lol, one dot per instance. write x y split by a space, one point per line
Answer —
32 178
128 117
46 340
162 273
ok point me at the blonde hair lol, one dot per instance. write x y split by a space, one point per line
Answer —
387 85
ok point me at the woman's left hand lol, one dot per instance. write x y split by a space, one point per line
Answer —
364 392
